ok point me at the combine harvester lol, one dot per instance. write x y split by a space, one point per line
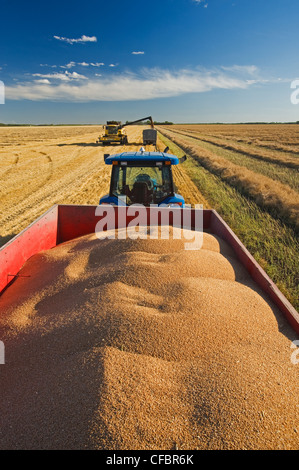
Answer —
114 133
137 178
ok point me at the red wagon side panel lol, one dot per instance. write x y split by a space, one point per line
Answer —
40 235
76 221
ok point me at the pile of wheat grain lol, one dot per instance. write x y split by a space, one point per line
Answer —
140 344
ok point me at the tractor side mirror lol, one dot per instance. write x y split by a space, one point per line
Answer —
106 155
183 159
166 150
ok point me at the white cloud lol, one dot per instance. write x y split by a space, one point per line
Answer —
82 64
82 39
138 52
112 65
77 76
47 65
55 76
68 66
66 76
146 85
43 80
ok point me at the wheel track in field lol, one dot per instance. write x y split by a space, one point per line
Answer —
62 188
10 169
42 198
46 179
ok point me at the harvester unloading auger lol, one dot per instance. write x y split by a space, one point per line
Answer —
114 133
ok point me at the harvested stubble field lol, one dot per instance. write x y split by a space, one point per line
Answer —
42 166
249 174
102 355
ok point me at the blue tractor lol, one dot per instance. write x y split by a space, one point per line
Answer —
142 178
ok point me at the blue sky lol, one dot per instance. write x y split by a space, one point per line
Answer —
70 61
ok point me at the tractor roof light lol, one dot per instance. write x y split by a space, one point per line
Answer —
174 204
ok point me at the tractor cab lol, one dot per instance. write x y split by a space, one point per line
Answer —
142 178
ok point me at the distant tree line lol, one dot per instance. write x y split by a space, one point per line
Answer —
42 125
168 123
165 122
